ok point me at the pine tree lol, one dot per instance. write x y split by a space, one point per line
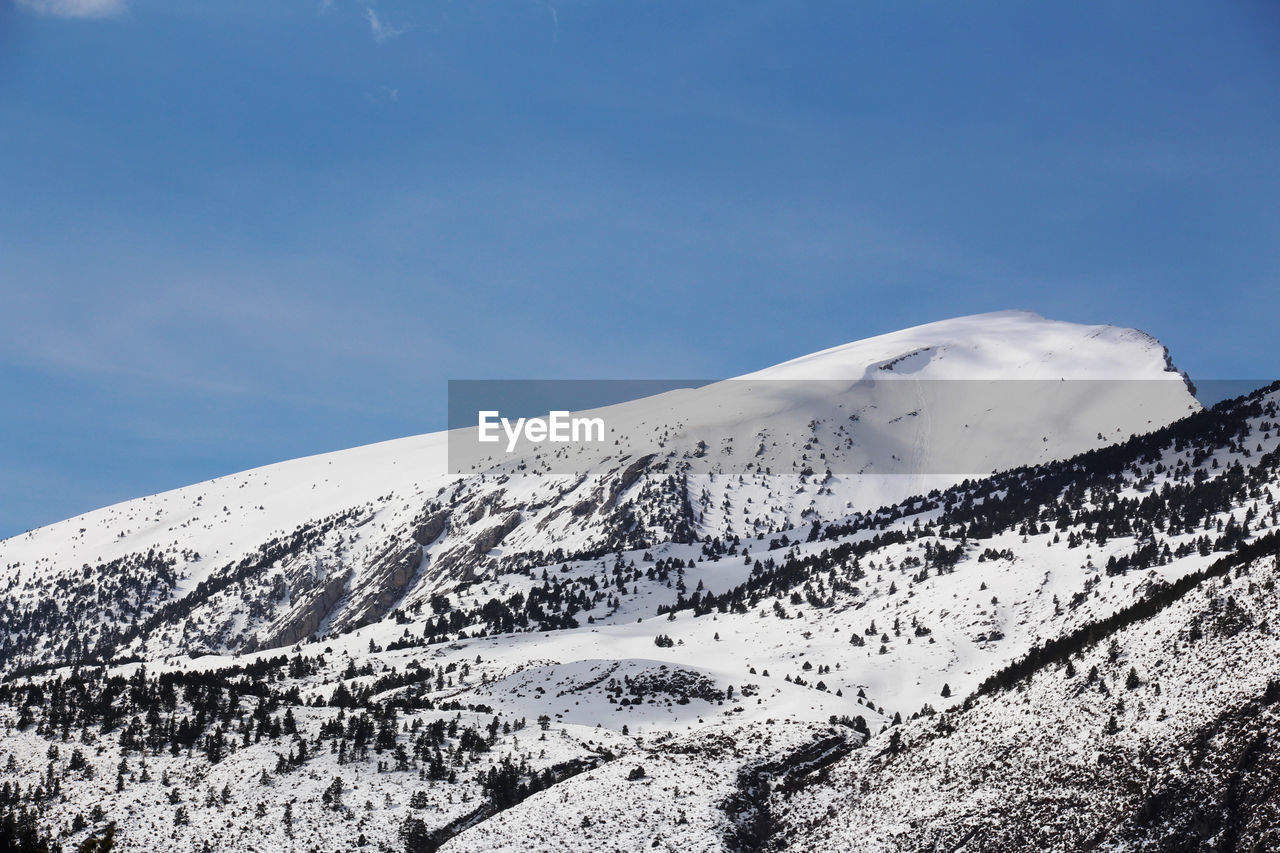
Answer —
332 796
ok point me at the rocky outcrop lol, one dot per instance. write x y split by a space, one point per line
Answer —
306 617
383 584
493 536
429 529
461 561
627 479
490 503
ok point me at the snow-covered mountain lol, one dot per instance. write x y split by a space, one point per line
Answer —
325 544
769 594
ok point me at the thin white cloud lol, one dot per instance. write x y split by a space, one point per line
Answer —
381 31
75 8
555 22
383 95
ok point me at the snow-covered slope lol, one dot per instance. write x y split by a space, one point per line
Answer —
331 542
1160 735
998 345
760 576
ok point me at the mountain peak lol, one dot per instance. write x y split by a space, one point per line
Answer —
1012 344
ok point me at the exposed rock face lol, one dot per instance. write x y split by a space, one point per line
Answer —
462 561
383 585
493 537
490 503
431 528
629 477
305 618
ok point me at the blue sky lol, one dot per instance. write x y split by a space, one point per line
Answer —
238 232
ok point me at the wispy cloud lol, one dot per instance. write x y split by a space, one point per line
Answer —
75 8
383 95
555 22
381 30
